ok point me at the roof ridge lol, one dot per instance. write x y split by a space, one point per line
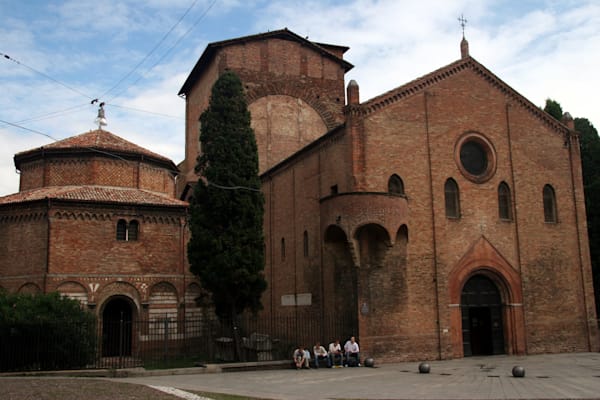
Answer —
422 83
97 139
210 48
97 193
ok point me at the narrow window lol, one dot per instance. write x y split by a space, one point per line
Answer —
334 189
282 249
504 202
550 214
121 230
452 199
305 244
395 185
132 232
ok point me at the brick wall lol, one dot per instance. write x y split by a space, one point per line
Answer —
405 301
23 245
78 171
294 94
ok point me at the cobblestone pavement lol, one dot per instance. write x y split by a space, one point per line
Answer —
555 376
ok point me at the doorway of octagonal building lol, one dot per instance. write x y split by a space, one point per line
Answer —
117 321
481 309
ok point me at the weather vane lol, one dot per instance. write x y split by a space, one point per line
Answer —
463 23
101 118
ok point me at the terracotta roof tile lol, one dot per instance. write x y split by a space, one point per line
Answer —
99 194
98 139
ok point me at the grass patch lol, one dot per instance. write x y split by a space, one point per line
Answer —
222 396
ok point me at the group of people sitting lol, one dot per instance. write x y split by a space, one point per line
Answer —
336 357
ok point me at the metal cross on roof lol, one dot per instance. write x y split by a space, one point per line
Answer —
463 22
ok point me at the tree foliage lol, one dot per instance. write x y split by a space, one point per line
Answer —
44 331
590 165
590 161
553 108
226 248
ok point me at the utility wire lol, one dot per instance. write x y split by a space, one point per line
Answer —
52 114
57 113
170 49
28 129
232 187
151 51
6 56
145 111
238 187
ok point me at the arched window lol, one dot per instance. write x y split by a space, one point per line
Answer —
452 197
132 232
504 202
127 232
550 214
305 239
122 230
395 185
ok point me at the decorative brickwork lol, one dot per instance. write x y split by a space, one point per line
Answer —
59 233
410 281
397 265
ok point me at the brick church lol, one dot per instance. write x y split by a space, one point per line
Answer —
445 218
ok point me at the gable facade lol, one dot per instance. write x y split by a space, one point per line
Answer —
463 259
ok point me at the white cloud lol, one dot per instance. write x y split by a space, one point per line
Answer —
542 49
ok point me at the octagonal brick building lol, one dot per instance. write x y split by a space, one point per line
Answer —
96 219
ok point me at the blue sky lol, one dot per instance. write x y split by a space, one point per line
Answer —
135 55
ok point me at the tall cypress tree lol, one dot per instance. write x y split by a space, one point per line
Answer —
590 168
226 248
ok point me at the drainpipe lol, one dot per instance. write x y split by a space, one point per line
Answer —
434 244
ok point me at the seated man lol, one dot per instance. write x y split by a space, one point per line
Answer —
352 353
300 358
335 353
320 354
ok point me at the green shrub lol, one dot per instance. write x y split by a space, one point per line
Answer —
44 331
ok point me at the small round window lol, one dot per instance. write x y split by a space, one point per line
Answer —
475 157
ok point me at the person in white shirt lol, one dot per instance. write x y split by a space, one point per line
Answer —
352 350
335 353
301 358
320 354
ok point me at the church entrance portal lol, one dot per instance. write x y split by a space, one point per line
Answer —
481 308
117 328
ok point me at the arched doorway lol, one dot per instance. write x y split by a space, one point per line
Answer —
481 311
117 319
340 296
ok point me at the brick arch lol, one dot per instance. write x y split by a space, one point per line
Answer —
339 276
484 259
163 300
192 292
282 125
372 241
288 88
119 289
29 288
73 290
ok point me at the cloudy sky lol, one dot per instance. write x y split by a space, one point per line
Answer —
134 55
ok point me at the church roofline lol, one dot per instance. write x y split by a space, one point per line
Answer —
94 194
316 144
421 84
285 33
100 142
